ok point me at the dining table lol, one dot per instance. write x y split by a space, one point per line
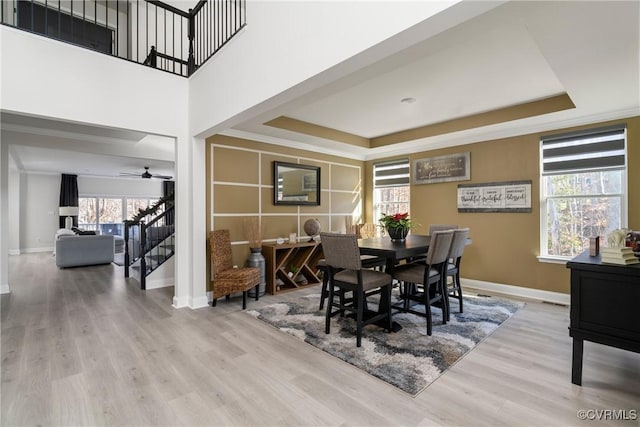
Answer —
395 251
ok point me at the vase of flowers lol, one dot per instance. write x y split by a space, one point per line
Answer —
397 225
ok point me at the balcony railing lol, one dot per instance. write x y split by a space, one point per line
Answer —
148 32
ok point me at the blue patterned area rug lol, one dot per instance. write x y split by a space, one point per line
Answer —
408 359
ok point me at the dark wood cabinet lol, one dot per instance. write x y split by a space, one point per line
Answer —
605 307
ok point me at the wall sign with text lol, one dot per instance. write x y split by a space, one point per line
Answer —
452 167
511 196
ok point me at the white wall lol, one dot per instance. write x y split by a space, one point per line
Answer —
96 186
88 87
39 212
15 179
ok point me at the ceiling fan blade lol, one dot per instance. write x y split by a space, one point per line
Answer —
162 176
129 174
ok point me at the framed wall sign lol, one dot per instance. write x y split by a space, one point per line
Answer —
510 196
453 167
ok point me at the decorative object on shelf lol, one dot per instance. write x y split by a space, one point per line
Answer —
254 230
594 246
280 241
633 241
348 225
617 238
69 212
293 238
312 227
397 225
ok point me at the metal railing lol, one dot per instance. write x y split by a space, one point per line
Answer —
148 32
148 245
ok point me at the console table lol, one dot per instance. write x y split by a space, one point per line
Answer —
605 307
287 261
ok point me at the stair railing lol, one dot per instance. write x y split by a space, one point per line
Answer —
151 237
138 31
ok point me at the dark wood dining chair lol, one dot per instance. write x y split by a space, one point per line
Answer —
460 237
226 279
431 274
347 274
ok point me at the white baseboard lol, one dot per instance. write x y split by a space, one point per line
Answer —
517 291
200 302
4 289
35 250
14 251
162 283
192 303
180 302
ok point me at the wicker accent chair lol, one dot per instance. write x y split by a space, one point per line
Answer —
430 273
226 279
453 267
347 274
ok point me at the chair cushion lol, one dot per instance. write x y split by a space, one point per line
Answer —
371 279
414 273
235 280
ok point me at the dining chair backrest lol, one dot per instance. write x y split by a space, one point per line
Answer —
439 247
341 250
441 227
459 241
367 230
221 255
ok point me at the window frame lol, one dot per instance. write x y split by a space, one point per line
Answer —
400 180
123 201
544 256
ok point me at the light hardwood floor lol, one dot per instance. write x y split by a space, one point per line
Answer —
84 347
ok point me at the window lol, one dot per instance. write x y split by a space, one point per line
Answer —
108 213
390 188
583 189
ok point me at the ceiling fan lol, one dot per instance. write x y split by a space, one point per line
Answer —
146 174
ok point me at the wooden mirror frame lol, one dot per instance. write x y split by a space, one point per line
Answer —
304 187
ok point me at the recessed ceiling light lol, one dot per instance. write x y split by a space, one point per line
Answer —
408 100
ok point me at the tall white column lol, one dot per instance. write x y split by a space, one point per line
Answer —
4 218
190 282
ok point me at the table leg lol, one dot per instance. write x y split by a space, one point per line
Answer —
576 362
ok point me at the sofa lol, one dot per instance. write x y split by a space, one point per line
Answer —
79 250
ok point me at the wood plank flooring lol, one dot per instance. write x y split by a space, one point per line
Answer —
85 347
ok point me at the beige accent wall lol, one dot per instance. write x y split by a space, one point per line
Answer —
240 185
505 245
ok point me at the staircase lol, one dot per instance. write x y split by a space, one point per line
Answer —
149 240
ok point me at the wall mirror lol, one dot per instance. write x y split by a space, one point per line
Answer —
295 184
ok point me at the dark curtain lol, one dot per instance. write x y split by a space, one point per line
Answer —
168 187
68 195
